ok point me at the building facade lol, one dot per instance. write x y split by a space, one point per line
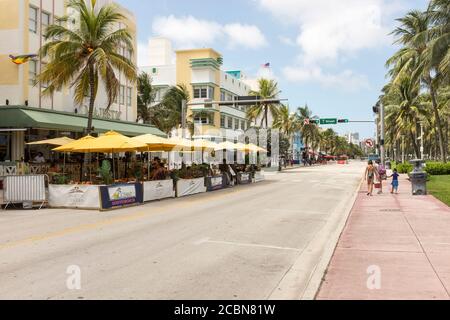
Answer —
200 71
22 29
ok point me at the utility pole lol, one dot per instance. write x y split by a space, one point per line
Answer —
422 148
183 117
383 133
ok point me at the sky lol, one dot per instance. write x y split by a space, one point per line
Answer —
328 54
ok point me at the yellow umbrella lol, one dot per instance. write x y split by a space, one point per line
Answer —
203 145
155 143
227 145
111 142
254 148
70 146
54 142
181 144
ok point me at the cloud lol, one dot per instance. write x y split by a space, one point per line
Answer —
346 80
330 32
242 35
187 31
287 41
190 32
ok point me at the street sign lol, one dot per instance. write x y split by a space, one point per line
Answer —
369 143
328 121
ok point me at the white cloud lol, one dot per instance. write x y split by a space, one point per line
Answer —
346 80
187 31
332 31
287 41
243 35
190 32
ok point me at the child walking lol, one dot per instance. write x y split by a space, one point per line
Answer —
395 182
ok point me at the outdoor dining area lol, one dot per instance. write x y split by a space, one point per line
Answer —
112 170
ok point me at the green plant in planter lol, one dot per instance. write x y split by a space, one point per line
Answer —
61 179
105 172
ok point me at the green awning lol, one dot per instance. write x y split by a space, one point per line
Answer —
26 117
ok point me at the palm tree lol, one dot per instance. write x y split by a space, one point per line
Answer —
82 55
168 114
146 96
286 122
439 14
268 89
403 108
309 131
415 60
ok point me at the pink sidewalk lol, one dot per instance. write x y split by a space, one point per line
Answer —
406 238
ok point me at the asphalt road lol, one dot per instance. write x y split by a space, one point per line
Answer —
272 240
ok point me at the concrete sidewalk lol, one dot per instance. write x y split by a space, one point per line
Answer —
393 247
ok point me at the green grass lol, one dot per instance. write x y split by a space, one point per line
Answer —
439 186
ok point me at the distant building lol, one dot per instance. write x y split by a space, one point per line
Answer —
200 71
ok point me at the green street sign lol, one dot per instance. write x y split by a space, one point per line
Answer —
328 121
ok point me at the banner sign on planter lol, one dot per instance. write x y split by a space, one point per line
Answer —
216 183
74 196
155 190
244 178
186 187
121 195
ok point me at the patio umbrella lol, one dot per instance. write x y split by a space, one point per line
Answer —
227 145
204 145
155 143
254 148
54 142
182 145
70 146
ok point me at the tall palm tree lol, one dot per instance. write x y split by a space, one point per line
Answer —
309 131
168 114
403 108
83 54
146 96
268 89
439 14
285 121
415 60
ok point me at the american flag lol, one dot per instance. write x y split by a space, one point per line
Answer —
267 65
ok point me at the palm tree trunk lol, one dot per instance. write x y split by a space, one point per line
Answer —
414 143
91 99
438 121
266 116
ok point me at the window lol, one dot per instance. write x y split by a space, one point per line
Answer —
236 124
33 19
122 95
32 72
222 121
45 22
129 96
242 124
222 95
230 123
203 92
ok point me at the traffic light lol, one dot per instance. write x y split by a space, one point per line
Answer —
312 121
343 121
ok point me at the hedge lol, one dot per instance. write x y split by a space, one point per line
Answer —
438 168
405 168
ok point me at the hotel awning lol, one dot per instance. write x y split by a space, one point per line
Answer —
26 117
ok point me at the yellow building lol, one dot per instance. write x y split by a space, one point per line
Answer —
22 29
200 71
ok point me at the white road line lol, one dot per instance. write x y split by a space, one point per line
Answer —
240 244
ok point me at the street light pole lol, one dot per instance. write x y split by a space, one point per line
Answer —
183 118
383 133
422 148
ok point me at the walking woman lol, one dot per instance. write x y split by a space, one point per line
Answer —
371 173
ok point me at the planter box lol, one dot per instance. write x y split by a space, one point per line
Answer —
216 183
74 196
186 187
156 190
259 176
244 178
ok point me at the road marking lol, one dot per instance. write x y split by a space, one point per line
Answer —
188 202
241 244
